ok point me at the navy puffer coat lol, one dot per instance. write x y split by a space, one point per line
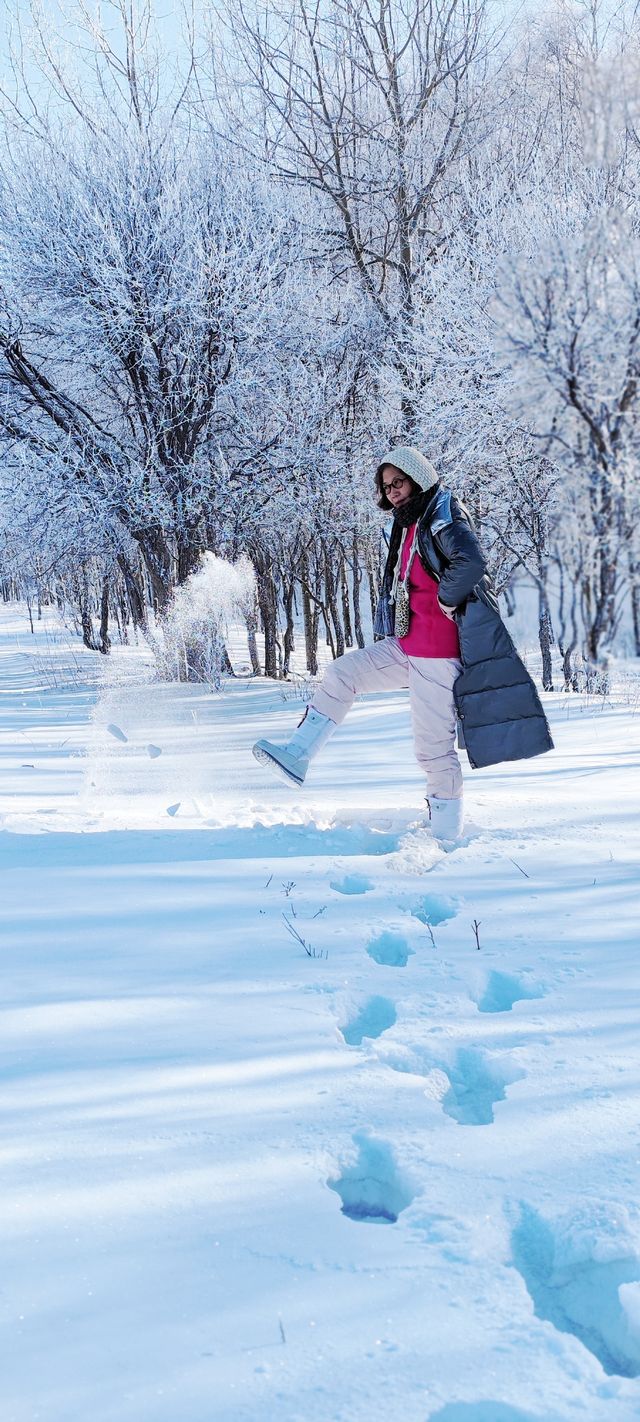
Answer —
499 709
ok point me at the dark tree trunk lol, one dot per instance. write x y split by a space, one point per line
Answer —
568 635
289 633
545 635
268 604
122 623
88 635
329 634
372 576
509 598
105 640
346 610
601 626
159 565
634 584
189 557
310 617
331 601
635 613
599 604
357 617
567 670
252 624
82 599
134 592
225 660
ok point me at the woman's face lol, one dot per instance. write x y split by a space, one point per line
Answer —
396 485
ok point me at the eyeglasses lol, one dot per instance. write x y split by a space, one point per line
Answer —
395 483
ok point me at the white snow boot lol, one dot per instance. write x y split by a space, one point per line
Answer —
447 817
292 761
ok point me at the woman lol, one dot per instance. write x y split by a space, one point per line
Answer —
442 638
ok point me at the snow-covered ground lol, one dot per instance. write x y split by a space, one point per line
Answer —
302 1119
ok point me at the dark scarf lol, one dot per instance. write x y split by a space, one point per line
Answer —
403 517
413 509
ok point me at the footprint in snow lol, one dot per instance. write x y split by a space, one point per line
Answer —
477 1082
153 752
375 1016
351 884
117 733
502 990
468 1085
389 949
371 1187
582 1273
435 909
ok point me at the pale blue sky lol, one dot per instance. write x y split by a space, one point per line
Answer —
168 14
169 19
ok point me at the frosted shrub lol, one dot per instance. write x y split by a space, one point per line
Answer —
188 642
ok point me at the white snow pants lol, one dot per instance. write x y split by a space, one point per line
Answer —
385 667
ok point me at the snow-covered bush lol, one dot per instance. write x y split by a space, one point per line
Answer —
188 641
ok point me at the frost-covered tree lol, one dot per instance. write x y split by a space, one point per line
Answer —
572 323
525 350
223 294
148 286
372 107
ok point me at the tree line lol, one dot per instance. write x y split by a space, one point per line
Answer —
234 269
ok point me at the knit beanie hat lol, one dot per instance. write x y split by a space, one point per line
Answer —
410 461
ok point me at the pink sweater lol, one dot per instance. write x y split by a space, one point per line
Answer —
430 634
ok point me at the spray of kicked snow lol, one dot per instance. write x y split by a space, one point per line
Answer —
188 642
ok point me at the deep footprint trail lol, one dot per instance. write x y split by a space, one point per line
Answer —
394 1177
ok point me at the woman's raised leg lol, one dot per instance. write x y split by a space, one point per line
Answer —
382 667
